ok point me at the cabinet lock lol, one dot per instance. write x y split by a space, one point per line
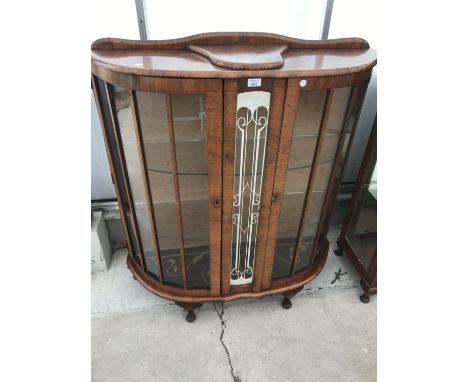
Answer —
216 201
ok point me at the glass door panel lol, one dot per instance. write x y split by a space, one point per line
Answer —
190 143
309 115
162 144
320 184
154 126
317 133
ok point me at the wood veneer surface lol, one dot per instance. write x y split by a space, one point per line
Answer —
189 57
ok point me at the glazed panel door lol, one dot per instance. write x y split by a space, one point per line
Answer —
252 120
318 122
168 139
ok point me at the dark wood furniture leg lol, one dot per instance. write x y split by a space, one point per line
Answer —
369 289
287 297
189 307
364 298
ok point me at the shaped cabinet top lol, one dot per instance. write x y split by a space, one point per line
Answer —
233 55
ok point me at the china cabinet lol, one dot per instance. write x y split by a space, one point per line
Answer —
226 151
358 238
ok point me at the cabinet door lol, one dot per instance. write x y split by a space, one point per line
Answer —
252 121
317 125
169 142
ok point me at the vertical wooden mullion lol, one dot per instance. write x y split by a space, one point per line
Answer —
310 183
339 165
229 130
175 179
99 104
145 176
214 113
125 172
278 94
286 138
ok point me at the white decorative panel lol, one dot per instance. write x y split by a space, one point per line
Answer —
251 136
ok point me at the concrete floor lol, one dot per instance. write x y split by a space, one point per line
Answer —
328 334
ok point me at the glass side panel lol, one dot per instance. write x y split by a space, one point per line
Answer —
250 143
101 94
153 119
190 136
135 175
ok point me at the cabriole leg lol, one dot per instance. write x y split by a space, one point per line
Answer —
189 307
287 297
286 302
364 298
368 290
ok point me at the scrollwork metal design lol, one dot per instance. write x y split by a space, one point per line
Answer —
251 136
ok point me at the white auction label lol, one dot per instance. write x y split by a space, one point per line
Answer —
254 82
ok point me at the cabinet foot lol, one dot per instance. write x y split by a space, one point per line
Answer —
287 297
190 317
364 298
189 308
286 303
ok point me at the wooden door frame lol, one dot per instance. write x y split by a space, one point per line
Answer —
291 103
212 90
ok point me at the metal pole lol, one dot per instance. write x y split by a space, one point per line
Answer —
327 14
141 14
